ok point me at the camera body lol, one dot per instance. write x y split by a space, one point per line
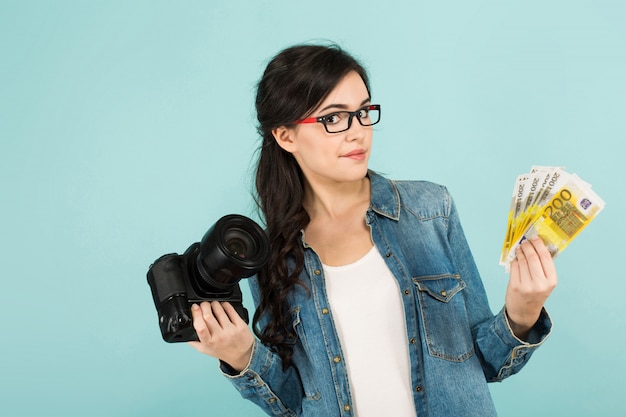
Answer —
235 247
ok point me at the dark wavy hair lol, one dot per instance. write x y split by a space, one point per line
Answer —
294 84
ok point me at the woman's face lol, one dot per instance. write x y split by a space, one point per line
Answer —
332 157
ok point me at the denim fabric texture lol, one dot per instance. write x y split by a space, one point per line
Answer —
456 344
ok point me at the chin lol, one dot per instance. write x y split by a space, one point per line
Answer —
357 173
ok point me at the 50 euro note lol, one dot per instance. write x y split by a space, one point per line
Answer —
562 207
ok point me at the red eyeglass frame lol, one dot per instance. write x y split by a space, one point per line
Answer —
320 119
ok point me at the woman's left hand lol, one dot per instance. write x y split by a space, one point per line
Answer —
533 277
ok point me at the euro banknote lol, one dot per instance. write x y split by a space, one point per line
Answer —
550 203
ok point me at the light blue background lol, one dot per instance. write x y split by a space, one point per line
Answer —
127 129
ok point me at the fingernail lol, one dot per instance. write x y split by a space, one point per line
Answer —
195 306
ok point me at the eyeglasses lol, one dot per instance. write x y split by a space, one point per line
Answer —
342 120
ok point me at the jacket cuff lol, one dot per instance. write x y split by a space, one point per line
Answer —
520 350
231 373
536 336
253 382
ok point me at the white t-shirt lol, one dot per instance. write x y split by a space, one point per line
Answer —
367 309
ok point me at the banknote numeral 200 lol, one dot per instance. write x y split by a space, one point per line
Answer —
557 203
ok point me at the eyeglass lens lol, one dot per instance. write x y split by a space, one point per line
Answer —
340 121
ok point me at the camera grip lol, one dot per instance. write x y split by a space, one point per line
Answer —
169 293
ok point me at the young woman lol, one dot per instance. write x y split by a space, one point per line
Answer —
371 304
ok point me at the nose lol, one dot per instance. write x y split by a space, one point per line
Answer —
355 130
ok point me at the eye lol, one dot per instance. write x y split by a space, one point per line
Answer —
363 113
333 119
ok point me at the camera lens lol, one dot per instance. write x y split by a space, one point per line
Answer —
234 248
239 243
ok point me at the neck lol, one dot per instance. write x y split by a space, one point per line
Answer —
334 200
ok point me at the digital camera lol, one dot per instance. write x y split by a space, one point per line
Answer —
235 247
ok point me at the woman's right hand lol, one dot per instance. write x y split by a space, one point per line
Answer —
223 333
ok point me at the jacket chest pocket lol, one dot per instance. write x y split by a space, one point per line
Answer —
444 316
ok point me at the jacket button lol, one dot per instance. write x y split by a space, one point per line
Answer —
418 388
317 272
272 400
324 310
407 292
337 359
388 254
444 293
346 407
412 341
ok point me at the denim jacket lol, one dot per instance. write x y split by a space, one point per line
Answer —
456 344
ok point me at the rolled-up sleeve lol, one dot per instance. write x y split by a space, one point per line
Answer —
502 354
264 382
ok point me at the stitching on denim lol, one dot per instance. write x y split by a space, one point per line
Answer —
422 294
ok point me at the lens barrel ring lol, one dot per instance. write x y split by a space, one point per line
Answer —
218 262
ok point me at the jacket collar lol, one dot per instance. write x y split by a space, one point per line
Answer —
384 198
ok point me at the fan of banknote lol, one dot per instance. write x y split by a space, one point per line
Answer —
550 203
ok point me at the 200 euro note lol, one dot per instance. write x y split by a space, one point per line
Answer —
544 183
529 191
563 206
515 210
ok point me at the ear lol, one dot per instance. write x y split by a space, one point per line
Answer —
284 136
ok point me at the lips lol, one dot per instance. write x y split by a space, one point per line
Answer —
357 154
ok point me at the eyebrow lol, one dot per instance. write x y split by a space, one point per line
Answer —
343 106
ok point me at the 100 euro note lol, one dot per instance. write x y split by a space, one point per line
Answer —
552 204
